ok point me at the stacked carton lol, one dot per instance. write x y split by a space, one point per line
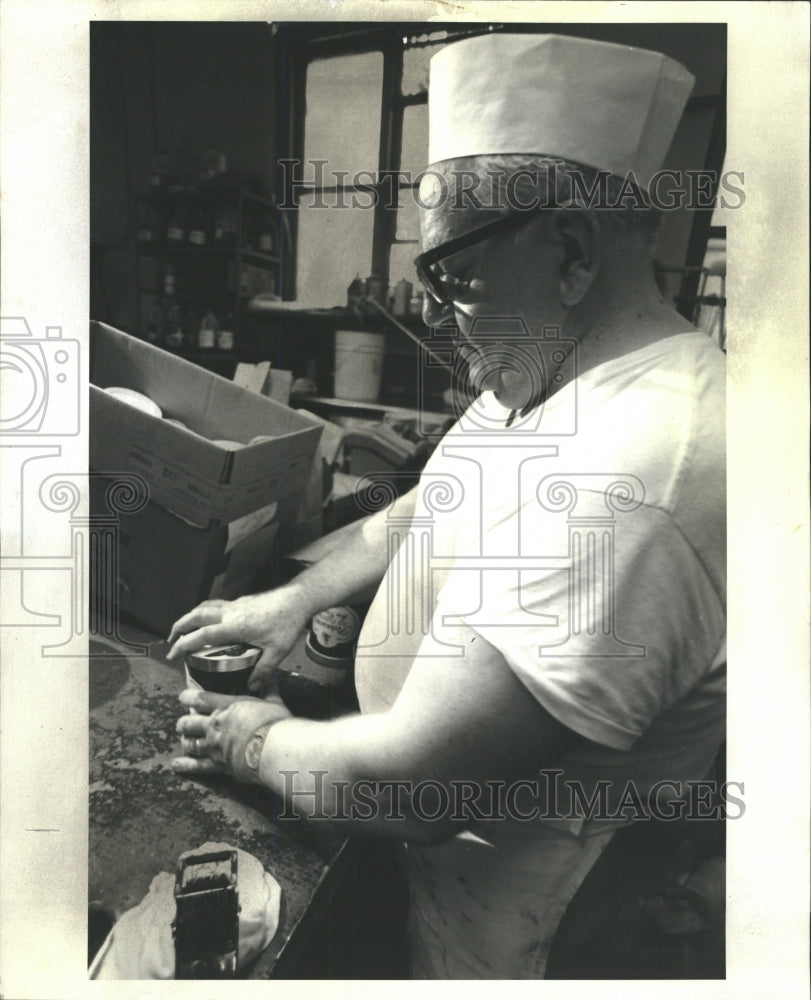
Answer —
217 514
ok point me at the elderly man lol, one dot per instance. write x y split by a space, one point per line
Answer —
544 659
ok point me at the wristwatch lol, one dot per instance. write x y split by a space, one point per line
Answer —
253 748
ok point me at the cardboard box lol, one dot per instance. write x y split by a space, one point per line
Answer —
163 566
187 473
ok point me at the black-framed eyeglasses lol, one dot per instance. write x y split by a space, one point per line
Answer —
435 281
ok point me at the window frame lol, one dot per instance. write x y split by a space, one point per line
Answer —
302 45
306 42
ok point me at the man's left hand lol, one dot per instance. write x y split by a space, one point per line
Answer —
217 732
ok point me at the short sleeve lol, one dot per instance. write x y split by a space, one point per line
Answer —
608 635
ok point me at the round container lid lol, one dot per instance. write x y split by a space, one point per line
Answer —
229 445
224 658
136 399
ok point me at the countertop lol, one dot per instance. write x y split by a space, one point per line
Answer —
143 815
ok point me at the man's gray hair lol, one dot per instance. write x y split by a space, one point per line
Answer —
516 182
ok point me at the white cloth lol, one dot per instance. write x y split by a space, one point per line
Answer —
587 544
141 946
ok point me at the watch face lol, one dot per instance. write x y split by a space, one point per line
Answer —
253 751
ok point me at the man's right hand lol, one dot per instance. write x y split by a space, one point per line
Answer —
272 621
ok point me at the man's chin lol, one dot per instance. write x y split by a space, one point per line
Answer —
510 390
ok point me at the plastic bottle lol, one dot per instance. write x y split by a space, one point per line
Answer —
225 334
402 297
207 335
355 292
376 288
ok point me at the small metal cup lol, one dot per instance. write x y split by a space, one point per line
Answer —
223 669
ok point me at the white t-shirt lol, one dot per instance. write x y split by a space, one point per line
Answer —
586 542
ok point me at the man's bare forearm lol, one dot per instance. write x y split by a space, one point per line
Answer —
347 772
358 562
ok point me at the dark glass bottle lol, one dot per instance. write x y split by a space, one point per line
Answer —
172 325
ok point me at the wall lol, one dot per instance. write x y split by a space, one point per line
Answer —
175 86
185 85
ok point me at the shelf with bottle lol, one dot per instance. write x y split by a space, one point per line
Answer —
171 323
176 289
220 362
221 301
223 189
238 282
200 223
177 250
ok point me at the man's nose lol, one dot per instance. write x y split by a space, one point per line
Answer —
435 313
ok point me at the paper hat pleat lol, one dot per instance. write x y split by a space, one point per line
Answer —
611 107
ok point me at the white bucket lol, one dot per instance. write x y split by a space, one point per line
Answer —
358 365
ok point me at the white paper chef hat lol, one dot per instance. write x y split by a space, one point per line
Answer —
611 107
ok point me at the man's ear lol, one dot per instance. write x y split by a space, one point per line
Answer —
578 234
